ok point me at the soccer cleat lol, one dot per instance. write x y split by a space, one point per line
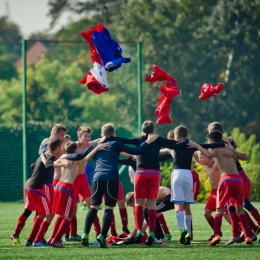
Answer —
126 231
150 239
211 237
85 239
183 234
191 236
75 238
57 244
83 207
138 236
66 238
28 243
15 239
168 236
187 239
94 243
40 244
242 239
248 241
101 240
214 241
233 240
158 241
164 240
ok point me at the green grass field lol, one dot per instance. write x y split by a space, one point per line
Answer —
9 213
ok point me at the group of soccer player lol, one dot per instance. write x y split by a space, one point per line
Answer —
59 179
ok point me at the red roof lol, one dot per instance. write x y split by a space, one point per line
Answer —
33 54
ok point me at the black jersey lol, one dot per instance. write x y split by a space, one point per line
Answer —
41 172
149 159
130 162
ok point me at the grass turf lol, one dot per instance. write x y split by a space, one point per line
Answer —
9 213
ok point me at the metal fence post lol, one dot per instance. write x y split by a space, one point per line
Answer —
139 81
25 163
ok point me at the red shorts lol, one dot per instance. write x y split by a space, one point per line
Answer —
247 183
63 199
49 191
81 188
55 182
231 186
212 200
196 184
36 199
211 203
120 191
146 184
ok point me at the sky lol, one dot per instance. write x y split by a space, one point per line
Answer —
31 15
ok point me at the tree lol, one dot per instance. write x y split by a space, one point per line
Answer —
99 7
10 38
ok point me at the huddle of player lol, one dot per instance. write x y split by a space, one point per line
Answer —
59 178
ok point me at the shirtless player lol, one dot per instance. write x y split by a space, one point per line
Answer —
63 194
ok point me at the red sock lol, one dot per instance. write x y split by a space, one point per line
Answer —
124 218
244 225
96 224
56 226
73 227
42 231
20 224
152 219
113 225
35 228
211 222
217 224
63 226
256 215
250 222
235 224
139 217
163 224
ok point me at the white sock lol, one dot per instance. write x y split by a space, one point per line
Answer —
187 220
180 219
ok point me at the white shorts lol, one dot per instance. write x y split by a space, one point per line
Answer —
181 186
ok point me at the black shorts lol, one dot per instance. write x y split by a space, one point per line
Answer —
107 188
165 204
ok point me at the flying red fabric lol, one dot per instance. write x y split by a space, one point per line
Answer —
92 83
163 109
157 75
168 93
207 90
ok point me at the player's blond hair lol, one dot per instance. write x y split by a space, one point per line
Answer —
148 127
215 126
108 129
70 147
58 128
83 129
181 131
53 143
170 134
